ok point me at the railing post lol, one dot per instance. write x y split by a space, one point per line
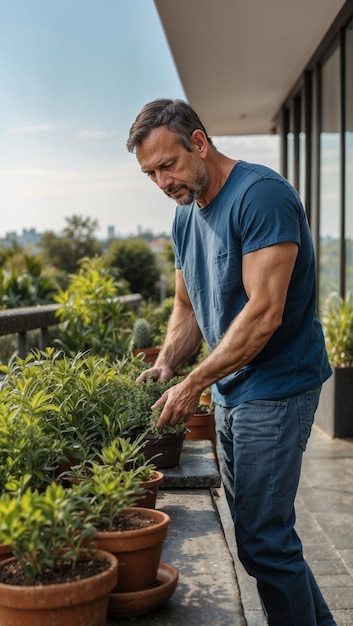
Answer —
21 344
43 338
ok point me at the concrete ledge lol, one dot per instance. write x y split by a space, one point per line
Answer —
197 468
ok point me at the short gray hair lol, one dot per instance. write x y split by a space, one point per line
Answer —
175 115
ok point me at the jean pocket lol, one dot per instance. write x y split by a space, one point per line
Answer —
307 409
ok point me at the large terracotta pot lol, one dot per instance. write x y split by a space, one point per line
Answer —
83 602
149 498
138 551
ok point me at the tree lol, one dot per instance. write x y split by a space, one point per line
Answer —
137 264
76 242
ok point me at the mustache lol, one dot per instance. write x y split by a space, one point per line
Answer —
173 188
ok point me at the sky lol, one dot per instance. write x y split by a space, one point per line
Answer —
73 76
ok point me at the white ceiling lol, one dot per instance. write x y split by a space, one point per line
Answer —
238 60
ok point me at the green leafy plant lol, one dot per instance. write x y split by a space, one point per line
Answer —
91 316
126 453
45 529
80 402
122 454
111 491
140 399
168 429
337 320
29 453
24 283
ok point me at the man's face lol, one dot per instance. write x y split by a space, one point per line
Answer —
182 175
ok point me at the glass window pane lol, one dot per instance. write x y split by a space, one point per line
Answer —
302 164
290 153
329 253
349 159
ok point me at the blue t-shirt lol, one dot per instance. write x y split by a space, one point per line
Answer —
255 208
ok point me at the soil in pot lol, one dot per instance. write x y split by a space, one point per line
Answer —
13 573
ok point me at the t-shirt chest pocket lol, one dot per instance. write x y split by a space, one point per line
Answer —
225 272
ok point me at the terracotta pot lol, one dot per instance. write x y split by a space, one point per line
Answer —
149 499
168 448
150 353
138 551
201 426
83 602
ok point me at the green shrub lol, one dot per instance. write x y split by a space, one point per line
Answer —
337 320
91 317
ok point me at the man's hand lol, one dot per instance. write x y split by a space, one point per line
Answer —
179 404
156 373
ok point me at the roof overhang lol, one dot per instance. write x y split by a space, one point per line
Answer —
238 61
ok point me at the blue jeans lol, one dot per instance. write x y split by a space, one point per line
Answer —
261 448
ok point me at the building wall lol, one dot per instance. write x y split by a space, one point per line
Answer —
316 126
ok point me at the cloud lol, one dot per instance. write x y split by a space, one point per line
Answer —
96 134
30 182
36 128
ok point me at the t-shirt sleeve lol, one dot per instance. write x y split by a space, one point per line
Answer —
177 262
269 214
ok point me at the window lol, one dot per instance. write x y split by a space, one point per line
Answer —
349 159
330 201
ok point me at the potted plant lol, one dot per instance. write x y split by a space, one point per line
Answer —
123 454
126 453
335 411
134 534
52 578
164 445
142 340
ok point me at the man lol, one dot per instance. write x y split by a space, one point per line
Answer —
245 282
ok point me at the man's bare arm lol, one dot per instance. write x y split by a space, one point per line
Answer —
183 336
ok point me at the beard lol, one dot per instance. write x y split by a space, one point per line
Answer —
192 191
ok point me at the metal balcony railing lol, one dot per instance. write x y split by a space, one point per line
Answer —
20 321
